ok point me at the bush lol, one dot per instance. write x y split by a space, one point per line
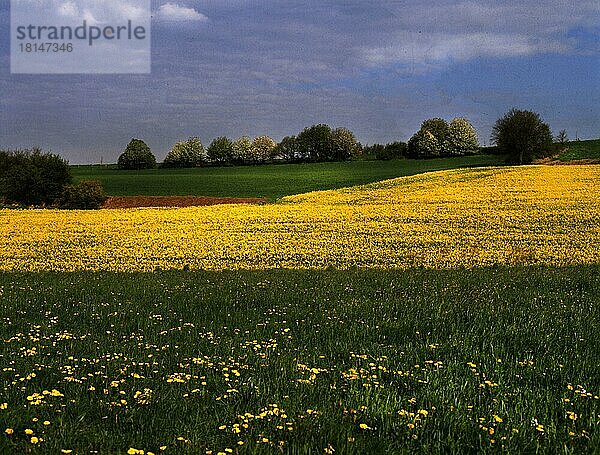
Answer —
523 136
84 195
32 177
188 153
137 155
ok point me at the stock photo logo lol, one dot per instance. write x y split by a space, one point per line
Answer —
80 36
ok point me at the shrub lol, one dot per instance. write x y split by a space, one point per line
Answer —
137 155
84 195
188 153
32 177
523 136
220 150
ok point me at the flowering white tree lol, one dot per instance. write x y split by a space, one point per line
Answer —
188 153
241 149
424 145
262 148
461 138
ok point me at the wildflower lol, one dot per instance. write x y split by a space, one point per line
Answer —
9 431
28 431
498 419
34 440
133 451
364 426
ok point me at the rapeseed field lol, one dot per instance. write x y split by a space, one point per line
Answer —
459 218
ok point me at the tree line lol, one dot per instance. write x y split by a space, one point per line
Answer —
32 177
520 135
317 143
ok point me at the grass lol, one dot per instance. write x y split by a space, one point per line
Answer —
455 361
581 150
269 181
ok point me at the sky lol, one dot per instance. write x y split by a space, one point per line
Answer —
255 67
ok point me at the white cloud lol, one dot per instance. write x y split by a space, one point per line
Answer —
460 47
177 13
93 11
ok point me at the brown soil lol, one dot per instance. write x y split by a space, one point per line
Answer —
556 162
128 202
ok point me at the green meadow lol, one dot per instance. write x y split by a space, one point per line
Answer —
303 362
270 181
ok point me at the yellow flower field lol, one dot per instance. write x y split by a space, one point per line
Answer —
458 218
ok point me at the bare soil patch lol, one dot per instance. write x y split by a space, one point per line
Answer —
129 202
557 162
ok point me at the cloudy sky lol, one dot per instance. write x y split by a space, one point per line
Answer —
253 67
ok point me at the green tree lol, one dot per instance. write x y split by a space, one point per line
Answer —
522 135
394 150
374 152
32 177
315 143
188 153
220 150
461 138
288 149
439 128
137 155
